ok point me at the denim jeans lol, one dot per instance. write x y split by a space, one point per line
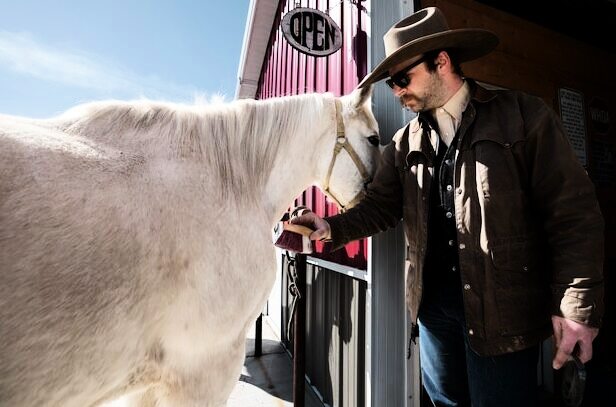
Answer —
454 375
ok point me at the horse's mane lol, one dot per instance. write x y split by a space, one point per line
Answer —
239 140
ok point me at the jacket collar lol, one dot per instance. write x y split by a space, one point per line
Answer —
418 131
479 93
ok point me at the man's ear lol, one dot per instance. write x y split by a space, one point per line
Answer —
362 95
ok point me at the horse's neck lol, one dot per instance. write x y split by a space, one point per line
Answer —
299 163
275 151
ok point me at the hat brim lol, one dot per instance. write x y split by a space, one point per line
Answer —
468 43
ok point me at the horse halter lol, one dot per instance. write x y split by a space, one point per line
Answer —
342 143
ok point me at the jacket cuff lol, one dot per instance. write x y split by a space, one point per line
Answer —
577 305
337 226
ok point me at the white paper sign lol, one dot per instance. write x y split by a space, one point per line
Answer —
572 115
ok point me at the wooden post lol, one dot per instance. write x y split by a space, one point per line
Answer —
299 332
258 335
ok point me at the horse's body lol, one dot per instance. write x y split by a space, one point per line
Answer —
135 241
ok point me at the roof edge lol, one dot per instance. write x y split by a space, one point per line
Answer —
261 16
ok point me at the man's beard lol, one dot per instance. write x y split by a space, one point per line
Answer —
430 97
403 101
406 101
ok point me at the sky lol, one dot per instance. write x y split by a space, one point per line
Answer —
55 54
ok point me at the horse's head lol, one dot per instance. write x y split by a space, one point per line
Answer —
355 152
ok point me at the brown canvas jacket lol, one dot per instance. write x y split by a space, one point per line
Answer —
530 232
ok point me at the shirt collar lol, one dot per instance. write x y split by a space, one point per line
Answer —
456 105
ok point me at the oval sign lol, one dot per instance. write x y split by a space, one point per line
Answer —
311 31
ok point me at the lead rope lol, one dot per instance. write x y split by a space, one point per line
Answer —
292 273
293 290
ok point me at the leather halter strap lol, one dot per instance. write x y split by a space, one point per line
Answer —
342 143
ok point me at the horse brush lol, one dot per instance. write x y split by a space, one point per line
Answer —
294 238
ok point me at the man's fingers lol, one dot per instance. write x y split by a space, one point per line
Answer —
306 219
569 333
319 225
298 220
318 234
585 353
562 353
558 333
559 359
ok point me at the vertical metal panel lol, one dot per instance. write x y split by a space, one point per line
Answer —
335 340
336 325
388 317
337 73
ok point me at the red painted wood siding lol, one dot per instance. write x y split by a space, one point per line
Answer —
288 72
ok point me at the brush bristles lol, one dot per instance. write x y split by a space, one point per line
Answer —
294 238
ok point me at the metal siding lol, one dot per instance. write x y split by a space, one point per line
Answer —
288 73
335 324
388 317
335 341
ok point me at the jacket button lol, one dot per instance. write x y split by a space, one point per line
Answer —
467 287
459 191
507 145
449 215
462 246
471 332
451 242
525 268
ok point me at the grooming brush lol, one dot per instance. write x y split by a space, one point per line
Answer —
292 237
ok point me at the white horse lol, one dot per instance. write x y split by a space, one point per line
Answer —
135 239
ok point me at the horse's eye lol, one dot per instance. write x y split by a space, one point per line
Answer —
374 140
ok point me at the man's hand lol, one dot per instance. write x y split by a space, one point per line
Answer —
567 334
320 226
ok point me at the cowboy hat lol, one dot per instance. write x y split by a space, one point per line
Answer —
427 30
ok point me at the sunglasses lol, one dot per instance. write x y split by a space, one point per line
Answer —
401 78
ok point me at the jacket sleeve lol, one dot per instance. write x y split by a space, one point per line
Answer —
379 210
572 220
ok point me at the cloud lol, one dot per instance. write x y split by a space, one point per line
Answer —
20 53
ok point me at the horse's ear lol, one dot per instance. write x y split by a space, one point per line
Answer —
362 95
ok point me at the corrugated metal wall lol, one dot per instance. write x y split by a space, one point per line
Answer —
335 340
289 72
286 71
336 303
395 380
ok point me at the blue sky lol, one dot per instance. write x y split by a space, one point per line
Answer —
55 54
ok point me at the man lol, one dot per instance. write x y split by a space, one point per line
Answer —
504 233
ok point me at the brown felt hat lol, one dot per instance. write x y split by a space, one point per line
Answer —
424 31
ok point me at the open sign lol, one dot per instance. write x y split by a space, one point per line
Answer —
311 31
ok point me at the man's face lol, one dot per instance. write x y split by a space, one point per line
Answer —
425 88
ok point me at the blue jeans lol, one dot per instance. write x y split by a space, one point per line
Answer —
454 375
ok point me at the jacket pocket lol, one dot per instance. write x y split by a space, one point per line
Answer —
515 257
498 164
521 295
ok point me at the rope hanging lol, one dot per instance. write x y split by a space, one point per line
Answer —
293 290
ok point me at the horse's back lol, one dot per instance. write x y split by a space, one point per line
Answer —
64 266
107 256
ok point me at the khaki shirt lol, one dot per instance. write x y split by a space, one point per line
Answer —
449 116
